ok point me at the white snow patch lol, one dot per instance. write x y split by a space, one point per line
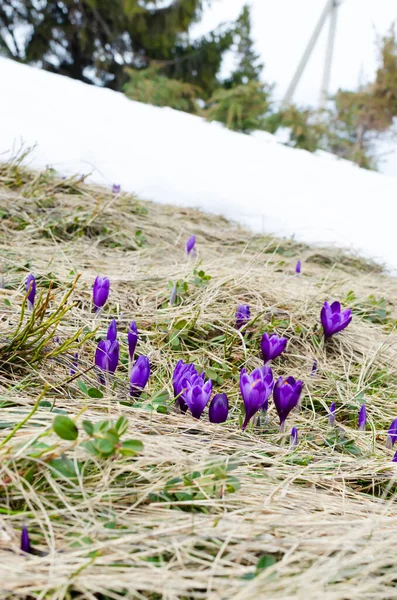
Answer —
172 157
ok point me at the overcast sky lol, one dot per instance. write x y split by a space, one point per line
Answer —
282 28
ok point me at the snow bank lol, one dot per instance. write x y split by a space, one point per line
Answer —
172 157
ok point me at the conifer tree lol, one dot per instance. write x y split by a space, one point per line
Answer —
94 40
249 66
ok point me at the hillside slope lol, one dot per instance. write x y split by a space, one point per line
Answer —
202 511
172 157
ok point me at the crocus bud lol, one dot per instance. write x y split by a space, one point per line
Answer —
314 368
112 331
116 188
139 376
197 394
219 408
286 396
255 390
74 364
294 437
331 416
174 293
100 292
394 459
298 267
272 346
362 418
334 319
392 434
182 372
107 356
132 339
190 245
243 315
31 289
25 541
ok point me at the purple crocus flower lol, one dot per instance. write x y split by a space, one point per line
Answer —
394 459
314 368
174 293
139 376
362 418
196 393
298 267
31 288
219 408
392 434
272 346
132 339
243 315
333 319
100 292
331 415
107 355
116 188
286 396
294 436
255 390
25 541
190 245
182 372
112 331
74 364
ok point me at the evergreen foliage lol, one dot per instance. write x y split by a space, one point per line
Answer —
151 87
241 108
249 66
93 40
244 101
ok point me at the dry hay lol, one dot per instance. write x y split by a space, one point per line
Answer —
194 514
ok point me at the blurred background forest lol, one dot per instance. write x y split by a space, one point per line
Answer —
144 49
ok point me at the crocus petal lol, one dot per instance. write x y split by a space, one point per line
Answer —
219 409
331 417
294 436
25 541
392 434
243 315
139 376
190 244
333 319
31 288
286 395
100 291
255 390
132 337
362 418
112 331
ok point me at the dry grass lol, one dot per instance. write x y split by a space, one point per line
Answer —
145 527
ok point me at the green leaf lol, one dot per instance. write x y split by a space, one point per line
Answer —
90 447
45 404
65 467
104 446
121 425
265 561
130 447
82 386
88 427
94 393
65 428
7 302
112 436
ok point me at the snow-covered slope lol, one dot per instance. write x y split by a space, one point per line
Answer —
172 157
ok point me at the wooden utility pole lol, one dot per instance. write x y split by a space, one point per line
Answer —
330 10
